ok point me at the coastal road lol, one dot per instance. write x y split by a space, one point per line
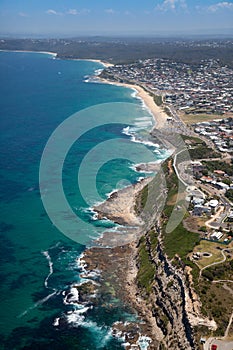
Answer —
176 170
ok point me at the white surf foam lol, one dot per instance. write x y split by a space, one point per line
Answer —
98 72
43 300
144 342
46 254
38 303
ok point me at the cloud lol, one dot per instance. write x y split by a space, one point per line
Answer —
76 12
110 11
168 5
23 14
183 4
53 12
72 12
220 6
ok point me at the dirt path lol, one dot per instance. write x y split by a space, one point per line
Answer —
221 209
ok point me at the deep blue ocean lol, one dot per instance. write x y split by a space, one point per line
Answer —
38 262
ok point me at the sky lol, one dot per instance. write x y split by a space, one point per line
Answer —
119 17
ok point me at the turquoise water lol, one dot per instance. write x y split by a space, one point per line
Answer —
37 261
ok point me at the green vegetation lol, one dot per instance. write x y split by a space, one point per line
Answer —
195 271
172 186
192 139
158 100
213 249
180 241
167 111
190 118
219 165
203 229
222 271
217 303
153 240
207 274
201 152
141 200
127 50
229 194
146 270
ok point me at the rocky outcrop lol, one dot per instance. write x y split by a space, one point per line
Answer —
168 302
175 305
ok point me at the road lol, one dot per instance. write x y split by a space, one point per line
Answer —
214 218
176 170
217 262
228 327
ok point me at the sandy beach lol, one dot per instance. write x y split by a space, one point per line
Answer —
159 115
45 52
106 64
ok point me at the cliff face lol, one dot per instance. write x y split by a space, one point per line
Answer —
175 306
168 302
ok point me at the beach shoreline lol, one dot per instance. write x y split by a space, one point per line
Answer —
105 64
120 208
55 54
158 114
31 51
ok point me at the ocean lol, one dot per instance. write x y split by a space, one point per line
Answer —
40 248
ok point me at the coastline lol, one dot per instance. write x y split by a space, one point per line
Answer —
105 64
126 265
158 114
55 54
120 208
118 268
30 51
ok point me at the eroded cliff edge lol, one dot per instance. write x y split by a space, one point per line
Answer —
158 288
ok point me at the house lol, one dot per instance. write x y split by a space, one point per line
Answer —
222 186
207 179
213 203
219 172
199 210
217 235
195 195
230 216
197 200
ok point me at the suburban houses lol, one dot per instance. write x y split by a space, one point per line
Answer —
203 88
220 132
207 89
